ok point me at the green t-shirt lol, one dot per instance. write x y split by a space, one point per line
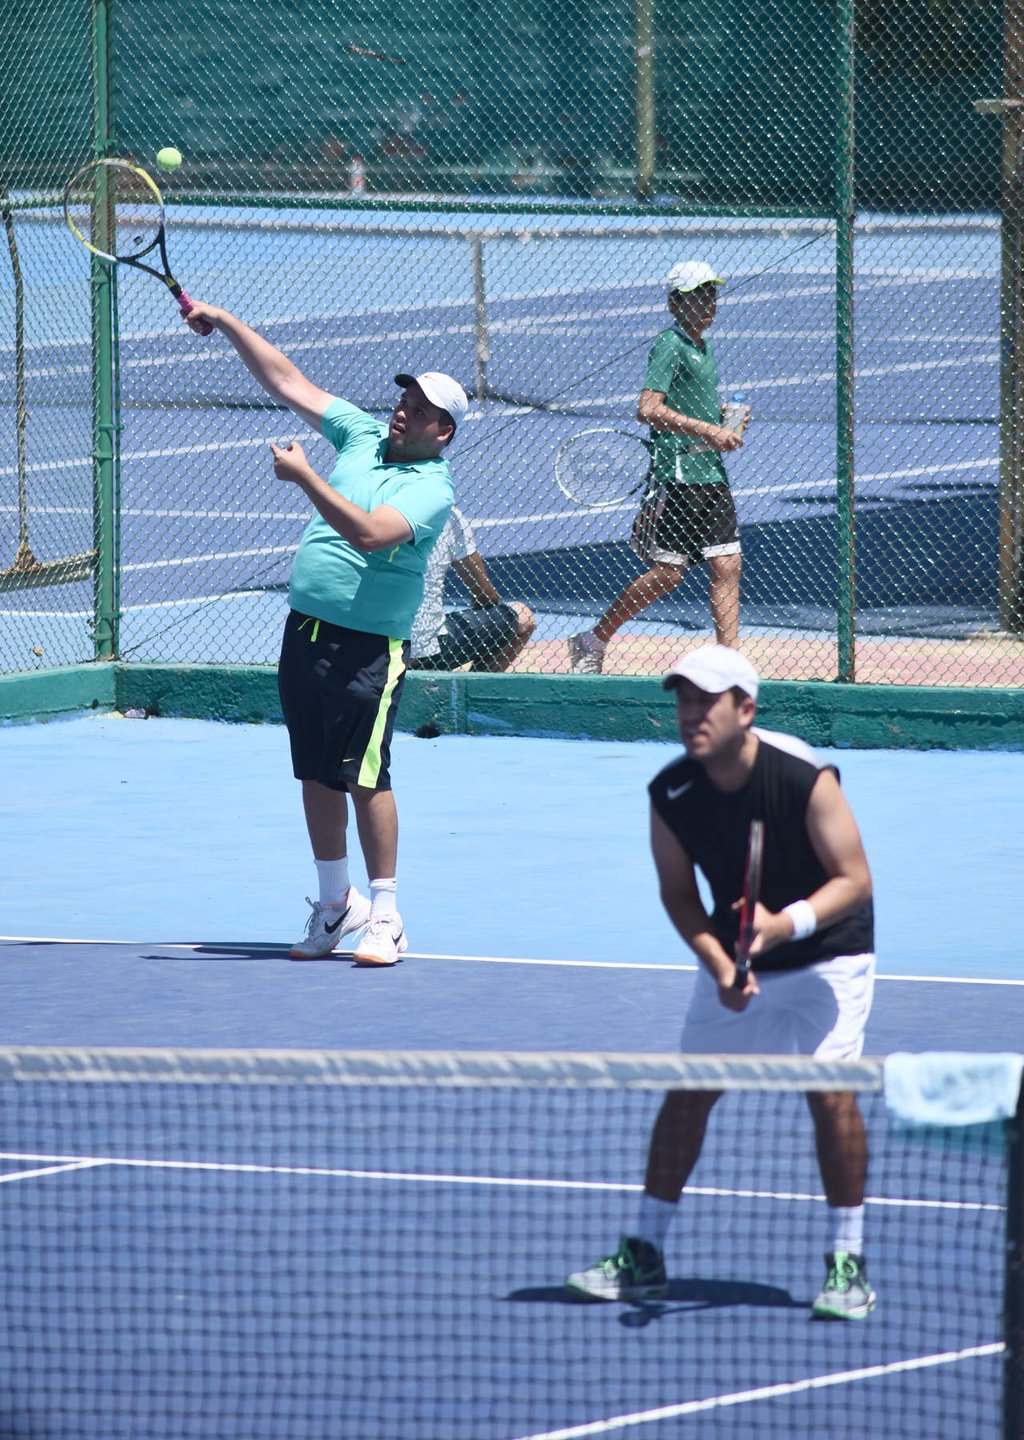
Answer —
377 591
684 371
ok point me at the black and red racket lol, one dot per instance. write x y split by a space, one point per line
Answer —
751 894
116 210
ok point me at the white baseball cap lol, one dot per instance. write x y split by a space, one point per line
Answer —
714 668
440 390
688 274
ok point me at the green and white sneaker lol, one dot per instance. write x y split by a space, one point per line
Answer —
847 1294
635 1272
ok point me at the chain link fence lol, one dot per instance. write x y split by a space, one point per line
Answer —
501 194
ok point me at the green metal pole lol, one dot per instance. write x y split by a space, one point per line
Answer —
645 104
1011 312
104 410
844 212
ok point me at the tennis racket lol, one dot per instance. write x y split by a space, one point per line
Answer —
601 468
751 894
116 210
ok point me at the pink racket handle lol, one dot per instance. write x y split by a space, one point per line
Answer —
185 306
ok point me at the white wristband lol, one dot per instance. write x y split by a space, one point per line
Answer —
805 922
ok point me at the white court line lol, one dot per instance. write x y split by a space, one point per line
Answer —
419 1177
274 949
767 1392
59 1169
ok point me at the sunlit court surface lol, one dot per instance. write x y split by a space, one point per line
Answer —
224 1239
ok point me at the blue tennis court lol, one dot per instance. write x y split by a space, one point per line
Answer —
204 1253
207 533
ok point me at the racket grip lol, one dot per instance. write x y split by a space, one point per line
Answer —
742 971
185 306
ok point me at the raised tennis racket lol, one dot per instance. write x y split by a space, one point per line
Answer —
751 894
602 467
116 210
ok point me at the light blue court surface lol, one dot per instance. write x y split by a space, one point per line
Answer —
166 831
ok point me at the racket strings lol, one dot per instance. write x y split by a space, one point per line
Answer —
115 211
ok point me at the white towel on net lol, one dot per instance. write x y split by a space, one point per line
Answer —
952 1088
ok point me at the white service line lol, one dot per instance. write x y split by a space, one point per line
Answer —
767 1392
48 1170
514 1182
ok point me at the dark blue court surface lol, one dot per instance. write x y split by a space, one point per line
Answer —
234 1261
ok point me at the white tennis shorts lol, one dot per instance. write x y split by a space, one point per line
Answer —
819 1010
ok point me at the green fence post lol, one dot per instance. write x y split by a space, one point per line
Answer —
104 416
645 103
1011 326
844 210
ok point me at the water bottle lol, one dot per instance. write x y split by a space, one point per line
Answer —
736 413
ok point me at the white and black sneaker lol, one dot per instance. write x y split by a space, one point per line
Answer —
329 924
586 654
635 1272
848 1293
384 942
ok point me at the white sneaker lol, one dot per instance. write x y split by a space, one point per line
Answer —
328 925
384 942
586 654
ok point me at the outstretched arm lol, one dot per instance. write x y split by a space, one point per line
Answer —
280 378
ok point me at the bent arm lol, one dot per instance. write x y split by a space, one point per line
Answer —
836 841
472 571
651 410
366 530
280 377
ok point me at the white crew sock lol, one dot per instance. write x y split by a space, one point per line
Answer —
383 904
332 876
654 1219
848 1228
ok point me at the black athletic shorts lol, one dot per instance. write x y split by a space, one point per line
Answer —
472 636
339 694
685 524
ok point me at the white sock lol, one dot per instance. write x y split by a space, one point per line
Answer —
654 1219
848 1228
591 642
383 904
333 878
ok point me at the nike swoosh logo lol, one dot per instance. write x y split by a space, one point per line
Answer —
679 790
331 928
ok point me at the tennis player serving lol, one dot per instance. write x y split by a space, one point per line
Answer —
810 986
356 584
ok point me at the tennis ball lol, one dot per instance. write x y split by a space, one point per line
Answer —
168 158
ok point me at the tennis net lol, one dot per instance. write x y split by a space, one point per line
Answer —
359 1244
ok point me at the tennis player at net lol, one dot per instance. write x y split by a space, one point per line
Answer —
810 989
356 584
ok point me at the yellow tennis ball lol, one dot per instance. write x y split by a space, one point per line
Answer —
168 158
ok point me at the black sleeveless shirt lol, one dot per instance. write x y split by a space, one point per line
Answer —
712 826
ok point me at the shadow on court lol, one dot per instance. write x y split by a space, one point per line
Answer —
683 1296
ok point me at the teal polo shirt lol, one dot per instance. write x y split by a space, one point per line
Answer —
378 591
684 371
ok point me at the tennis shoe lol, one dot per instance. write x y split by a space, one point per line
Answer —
847 1294
329 924
635 1272
586 654
384 942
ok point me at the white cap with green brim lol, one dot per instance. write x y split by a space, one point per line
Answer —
690 275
